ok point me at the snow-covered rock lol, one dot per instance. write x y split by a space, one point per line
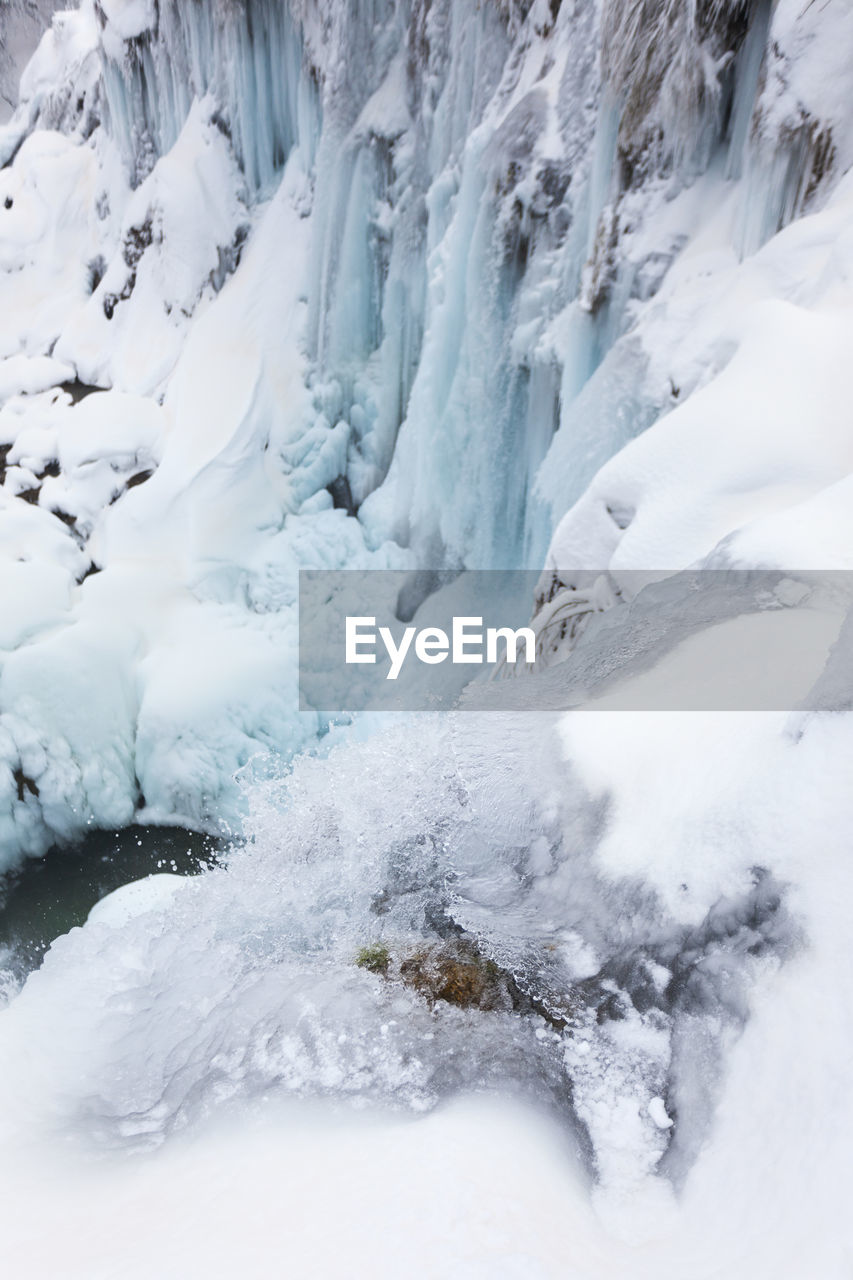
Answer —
135 899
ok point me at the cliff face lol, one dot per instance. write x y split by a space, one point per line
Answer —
22 24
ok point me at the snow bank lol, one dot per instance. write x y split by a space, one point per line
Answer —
58 86
751 446
181 235
135 899
473 1191
47 216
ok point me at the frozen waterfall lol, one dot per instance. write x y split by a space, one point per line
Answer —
378 283
428 285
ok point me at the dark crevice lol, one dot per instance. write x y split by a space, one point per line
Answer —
229 258
136 241
96 269
89 573
24 784
78 390
342 498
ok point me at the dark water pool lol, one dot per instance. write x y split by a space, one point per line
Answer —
50 895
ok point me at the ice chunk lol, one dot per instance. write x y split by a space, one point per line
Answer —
135 899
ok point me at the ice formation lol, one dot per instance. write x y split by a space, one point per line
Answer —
390 283
256 259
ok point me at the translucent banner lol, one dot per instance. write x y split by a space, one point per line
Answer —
584 640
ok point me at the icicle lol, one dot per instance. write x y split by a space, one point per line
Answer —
250 56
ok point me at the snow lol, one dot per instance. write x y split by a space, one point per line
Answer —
436 1199
129 18
803 111
420 252
135 899
27 376
761 438
47 199
33 601
769 1178
658 1112
65 47
175 229
59 83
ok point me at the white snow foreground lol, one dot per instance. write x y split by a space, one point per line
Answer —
716 1114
